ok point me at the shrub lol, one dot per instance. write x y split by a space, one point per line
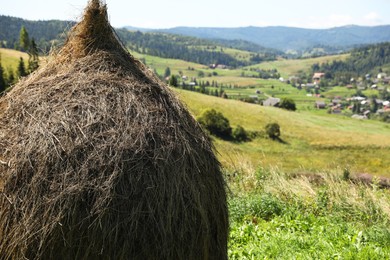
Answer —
173 81
240 134
288 104
273 130
216 123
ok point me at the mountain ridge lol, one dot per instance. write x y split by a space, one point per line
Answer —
292 38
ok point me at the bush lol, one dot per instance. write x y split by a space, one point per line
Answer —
216 123
240 134
273 130
173 81
288 104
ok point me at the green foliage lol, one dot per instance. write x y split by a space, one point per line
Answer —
272 130
262 206
33 57
288 104
21 68
240 134
46 32
346 174
167 72
173 81
362 61
289 217
24 40
177 47
216 123
10 77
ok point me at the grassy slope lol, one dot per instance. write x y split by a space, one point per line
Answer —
10 58
314 142
291 67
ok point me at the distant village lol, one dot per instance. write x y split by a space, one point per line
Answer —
360 106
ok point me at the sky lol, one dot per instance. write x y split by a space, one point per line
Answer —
212 13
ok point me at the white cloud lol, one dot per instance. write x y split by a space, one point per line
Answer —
372 18
319 22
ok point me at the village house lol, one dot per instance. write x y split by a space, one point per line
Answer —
381 75
320 104
336 102
271 102
317 77
336 109
386 80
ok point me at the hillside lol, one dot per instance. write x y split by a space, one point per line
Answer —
312 142
365 60
299 39
10 58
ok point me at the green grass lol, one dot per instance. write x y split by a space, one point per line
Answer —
313 141
291 67
10 58
278 216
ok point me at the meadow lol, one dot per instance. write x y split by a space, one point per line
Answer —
10 58
311 141
275 215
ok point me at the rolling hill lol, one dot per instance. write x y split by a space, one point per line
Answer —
312 142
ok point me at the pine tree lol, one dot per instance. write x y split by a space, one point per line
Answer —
167 72
21 68
33 57
24 40
10 77
173 81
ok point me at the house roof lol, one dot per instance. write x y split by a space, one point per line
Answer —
318 75
271 102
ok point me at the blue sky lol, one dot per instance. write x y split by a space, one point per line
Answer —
212 13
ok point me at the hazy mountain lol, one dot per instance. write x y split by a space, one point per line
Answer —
289 38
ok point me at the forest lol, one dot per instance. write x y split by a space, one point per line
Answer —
362 61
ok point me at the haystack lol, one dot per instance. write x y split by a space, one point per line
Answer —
99 160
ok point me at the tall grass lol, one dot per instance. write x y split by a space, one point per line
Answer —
306 216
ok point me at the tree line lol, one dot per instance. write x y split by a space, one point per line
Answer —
177 47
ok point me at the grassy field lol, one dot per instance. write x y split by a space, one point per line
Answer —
291 67
10 58
312 141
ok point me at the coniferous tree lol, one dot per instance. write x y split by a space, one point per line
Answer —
24 40
21 68
10 77
173 81
167 72
33 57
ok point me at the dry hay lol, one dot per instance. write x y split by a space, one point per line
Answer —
103 162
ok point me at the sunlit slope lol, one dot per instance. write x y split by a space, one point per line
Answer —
10 58
312 142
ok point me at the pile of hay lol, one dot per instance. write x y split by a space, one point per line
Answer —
99 160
